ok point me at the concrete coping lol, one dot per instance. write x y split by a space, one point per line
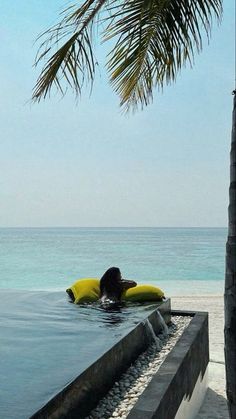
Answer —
177 376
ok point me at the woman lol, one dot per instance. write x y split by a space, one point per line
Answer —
112 286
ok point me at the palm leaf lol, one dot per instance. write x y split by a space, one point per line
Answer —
154 40
151 41
74 60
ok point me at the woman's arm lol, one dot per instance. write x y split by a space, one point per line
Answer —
126 284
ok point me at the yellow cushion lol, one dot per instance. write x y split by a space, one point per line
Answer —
142 293
87 290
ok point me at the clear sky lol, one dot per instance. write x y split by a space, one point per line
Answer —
63 164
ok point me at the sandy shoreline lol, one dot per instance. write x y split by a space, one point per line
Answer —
214 405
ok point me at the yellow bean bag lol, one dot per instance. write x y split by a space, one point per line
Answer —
142 293
87 290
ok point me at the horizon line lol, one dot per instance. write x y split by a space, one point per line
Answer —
164 227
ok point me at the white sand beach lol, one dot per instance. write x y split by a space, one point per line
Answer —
214 405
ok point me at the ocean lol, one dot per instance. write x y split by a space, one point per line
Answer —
182 261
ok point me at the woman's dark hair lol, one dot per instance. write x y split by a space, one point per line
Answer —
109 281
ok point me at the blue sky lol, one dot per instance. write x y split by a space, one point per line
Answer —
86 164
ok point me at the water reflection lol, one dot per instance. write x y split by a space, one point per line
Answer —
115 314
109 315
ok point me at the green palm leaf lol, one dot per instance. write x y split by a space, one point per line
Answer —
152 40
155 40
74 60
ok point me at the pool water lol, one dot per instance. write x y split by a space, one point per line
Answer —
46 342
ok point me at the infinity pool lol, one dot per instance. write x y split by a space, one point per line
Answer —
46 342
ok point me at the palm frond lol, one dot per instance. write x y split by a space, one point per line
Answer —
154 40
74 60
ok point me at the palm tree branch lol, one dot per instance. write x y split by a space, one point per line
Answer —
154 39
75 58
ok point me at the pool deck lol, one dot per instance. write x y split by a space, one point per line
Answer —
215 404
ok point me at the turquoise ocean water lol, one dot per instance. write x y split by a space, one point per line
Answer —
182 261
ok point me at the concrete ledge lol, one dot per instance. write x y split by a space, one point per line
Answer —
179 373
77 399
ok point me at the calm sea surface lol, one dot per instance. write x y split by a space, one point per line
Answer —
179 260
